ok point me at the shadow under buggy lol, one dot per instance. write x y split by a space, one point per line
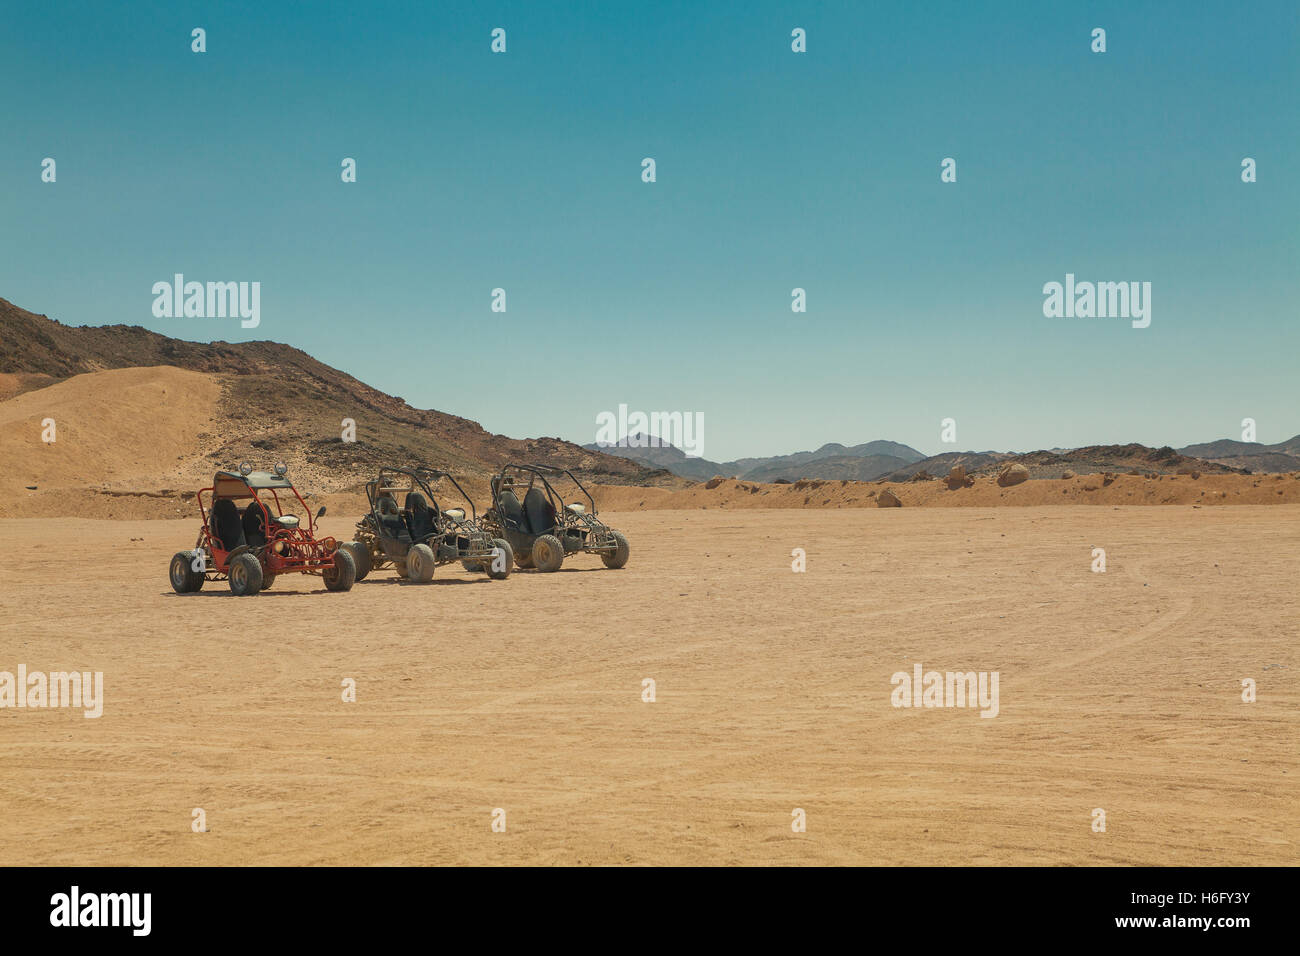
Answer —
541 527
416 537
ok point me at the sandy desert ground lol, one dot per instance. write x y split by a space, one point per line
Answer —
1119 691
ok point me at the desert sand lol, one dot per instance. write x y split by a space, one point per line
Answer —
1120 691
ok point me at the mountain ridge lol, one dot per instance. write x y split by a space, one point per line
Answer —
263 401
862 462
1219 457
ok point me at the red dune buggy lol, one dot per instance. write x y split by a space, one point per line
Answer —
250 539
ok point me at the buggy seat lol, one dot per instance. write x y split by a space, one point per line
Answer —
419 516
225 525
255 525
390 519
511 513
539 510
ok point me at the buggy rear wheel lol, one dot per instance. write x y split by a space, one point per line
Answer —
618 557
548 553
505 559
341 576
420 563
245 575
360 557
185 580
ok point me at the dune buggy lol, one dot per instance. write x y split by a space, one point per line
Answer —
249 539
418 536
542 528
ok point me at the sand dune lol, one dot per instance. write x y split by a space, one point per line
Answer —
112 427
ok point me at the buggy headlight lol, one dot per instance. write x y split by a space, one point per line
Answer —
281 469
245 468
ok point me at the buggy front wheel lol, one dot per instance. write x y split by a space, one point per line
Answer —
245 575
548 553
185 580
420 563
343 573
504 560
618 557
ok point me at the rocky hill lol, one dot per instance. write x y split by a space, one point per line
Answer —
138 412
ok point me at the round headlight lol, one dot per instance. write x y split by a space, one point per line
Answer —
245 468
281 469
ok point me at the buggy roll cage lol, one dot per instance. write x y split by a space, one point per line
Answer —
251 492
536 472
420 478
437 475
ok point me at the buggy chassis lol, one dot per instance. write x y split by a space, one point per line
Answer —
278 543
389 536
543 513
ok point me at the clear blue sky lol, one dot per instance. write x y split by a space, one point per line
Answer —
775 170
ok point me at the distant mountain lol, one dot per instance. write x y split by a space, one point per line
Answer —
1092 459
639 448
865 462
1229 448
831 450
891 461
1249 456
975 463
